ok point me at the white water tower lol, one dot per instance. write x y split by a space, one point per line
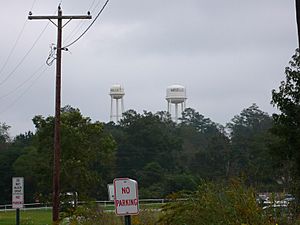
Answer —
116 93
176 94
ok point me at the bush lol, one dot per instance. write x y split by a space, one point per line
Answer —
92 214
215 204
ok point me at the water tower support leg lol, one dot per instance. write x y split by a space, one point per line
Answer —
122 105
176 112
117 109
111 109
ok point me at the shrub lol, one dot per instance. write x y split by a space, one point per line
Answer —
215 204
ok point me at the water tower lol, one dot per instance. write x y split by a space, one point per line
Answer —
176 94
116 93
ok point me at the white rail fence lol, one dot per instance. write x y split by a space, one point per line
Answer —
46 206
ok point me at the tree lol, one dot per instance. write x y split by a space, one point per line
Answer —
4 136
205 146
249 136
87 156
8 155
147 138
194 119
287 122
147 149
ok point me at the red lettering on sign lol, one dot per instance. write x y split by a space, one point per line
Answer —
126 202
125 190
17 203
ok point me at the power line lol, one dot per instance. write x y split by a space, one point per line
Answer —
24 92
24 57
13 48
16 42
78 27
88 26
92 4
75 31
23 83
32 5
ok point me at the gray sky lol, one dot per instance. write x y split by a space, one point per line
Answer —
228 55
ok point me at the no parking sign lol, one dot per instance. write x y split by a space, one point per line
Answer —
126 196
17 192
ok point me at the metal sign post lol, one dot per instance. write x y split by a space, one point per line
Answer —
17 216
128 220
17 196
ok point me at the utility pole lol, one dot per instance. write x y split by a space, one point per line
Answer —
298 20
57 135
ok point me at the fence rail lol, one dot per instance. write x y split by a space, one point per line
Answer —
45 206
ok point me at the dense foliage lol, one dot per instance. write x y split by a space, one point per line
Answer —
215 204
165 157
88 154
287 122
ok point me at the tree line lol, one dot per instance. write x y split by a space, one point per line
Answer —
163 156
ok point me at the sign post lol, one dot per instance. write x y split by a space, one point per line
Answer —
111 192
126 198
17 196
127 220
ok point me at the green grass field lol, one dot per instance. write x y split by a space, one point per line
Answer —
29 217
44 216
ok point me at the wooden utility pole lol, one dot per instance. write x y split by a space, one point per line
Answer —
57 142
298 20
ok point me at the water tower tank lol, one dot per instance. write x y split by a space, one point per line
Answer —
176 94
116 91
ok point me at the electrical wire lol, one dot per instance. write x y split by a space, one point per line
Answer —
16 42
23 83
100 12
32 5
75 31
92 4
13 48
25 56
80 24
24 92
95 7
52 55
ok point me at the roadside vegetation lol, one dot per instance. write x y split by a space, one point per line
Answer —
196 157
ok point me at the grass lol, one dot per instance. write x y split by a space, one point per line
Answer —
154 206
28 217
44 216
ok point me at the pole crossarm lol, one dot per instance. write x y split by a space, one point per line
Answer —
81 17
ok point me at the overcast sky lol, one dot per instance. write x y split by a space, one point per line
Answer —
228 54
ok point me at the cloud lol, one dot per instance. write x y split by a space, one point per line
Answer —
228 54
